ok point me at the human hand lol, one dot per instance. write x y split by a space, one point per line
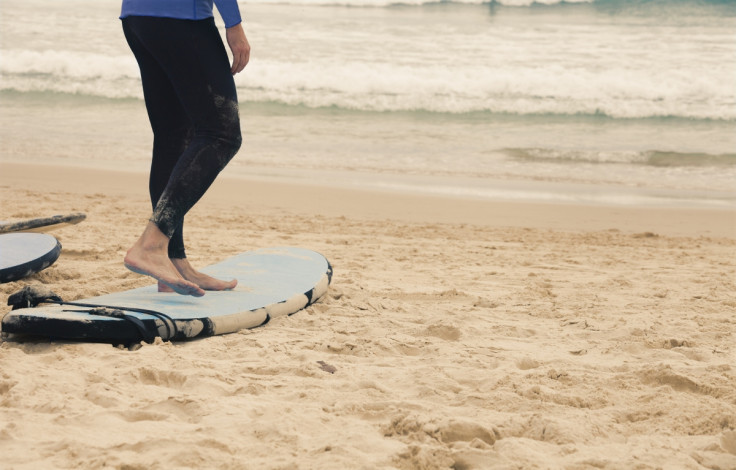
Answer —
239 46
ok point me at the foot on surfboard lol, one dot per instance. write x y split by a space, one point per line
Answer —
202 280
163 271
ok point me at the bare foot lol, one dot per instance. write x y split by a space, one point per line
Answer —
202 280
149 256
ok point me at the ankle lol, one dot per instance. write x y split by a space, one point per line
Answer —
153 239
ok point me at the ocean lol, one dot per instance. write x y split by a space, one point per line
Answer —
629 102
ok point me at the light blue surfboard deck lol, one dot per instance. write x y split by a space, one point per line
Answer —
42 224
23 254
271 282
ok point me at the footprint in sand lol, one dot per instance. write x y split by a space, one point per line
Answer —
171 409
728 442
163 378
446 332
527 363
102 395
466 431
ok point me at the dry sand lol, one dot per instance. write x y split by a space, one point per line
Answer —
462 335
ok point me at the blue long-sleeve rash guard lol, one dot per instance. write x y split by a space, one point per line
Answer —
183 9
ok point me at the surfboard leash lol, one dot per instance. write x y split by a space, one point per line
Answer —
32 296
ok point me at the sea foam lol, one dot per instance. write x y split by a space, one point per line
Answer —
443 58
442 88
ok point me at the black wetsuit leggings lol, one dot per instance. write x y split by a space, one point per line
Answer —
193 109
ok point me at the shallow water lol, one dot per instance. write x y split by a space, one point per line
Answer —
588 102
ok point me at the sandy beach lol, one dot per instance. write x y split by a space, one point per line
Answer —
529 207
463 334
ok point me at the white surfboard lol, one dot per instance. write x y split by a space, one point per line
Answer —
42 224
271 282
23 254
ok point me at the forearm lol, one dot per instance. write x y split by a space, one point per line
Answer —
239 46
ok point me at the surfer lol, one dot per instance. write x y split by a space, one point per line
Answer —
192 106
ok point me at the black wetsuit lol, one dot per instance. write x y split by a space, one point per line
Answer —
193 109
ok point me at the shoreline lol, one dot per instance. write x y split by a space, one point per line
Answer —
266 195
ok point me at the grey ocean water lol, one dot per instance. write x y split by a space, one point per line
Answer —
612 101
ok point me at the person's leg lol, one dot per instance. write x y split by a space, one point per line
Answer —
172 133
206 89
152 256
194 59
171 137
